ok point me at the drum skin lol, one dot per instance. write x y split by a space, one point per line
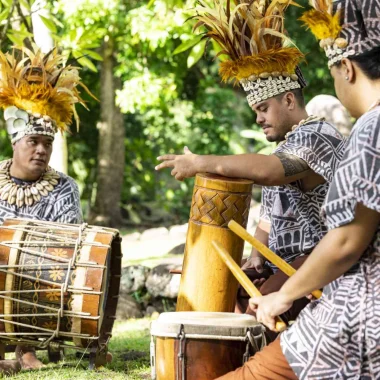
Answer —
100 282
205 359
206 282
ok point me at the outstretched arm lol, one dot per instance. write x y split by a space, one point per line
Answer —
268 170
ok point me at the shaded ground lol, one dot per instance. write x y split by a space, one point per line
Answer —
130 349
153 252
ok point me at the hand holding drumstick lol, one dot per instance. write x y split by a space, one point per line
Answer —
244 281
266 252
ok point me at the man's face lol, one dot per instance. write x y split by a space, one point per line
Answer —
32 154
273 117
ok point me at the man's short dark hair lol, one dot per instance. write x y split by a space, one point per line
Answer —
369 63
298 94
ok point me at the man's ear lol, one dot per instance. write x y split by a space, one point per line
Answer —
290 100
348 70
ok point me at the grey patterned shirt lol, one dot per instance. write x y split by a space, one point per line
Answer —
338 336
296 225
61 205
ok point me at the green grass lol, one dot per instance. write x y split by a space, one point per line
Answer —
130 349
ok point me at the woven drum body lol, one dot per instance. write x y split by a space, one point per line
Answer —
58 283
206 282
202 346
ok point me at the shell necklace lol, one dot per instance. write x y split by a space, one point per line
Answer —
29 193
302 122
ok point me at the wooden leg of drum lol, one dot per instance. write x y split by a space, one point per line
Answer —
54 354
98 358
2 351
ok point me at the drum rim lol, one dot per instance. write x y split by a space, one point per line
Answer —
202 318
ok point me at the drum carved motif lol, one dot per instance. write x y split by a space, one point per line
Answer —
218 207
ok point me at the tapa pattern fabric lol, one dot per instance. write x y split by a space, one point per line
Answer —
338 336
62 205
361 24
294 214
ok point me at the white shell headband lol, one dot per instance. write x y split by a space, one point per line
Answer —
20 123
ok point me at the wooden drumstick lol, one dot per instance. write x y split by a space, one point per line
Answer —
266 252
243 279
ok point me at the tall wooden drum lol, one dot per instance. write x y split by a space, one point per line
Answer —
206 282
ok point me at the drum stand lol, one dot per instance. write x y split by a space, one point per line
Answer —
97 358
2 351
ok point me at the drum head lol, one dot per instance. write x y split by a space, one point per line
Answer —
208 318
204 323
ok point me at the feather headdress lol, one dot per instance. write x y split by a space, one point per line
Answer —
251 36
37 92
321 20
344 27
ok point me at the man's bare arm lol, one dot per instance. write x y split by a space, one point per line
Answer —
264 170
291 164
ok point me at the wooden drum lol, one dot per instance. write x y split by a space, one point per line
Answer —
59 284
202 346
206 282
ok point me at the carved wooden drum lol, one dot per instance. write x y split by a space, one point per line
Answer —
59 283
202 346
206 282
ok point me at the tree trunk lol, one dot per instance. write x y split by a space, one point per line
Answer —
111 151
44 40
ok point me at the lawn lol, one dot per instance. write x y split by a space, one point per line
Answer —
130 349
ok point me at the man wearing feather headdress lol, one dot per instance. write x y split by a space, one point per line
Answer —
297 175
38 94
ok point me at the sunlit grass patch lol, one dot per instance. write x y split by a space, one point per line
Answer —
129 346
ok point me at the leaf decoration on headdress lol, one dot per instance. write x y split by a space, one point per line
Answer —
251 34
40 83
321 20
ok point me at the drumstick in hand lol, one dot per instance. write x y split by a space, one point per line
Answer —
244 281
266 252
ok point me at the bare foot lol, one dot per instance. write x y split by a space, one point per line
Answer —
9 367
27 358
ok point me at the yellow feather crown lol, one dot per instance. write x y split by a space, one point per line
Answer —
251 34
41 84
326 26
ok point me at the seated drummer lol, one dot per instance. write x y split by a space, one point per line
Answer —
338 336
29 188
295 177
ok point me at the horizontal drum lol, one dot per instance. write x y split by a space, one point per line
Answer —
59 283
202 345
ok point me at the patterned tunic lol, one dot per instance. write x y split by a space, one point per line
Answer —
338 336
296 225
61 205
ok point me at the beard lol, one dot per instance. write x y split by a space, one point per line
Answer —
274 135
